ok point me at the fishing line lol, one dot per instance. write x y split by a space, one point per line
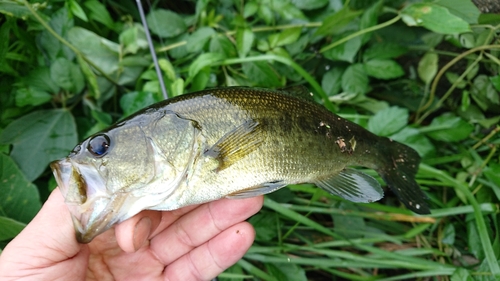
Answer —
152 50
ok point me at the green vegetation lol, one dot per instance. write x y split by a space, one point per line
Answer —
425 73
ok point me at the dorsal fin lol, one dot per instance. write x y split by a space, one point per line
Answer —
298 91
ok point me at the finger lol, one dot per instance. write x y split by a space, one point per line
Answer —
212 258
47 240
200 225
134 233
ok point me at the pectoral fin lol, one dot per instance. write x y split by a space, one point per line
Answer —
236 144
265 188
353 185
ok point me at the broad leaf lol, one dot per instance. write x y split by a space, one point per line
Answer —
427 67
40 137
244 41
355 80
384 50
388 121
334 23
165 23
383 69
449 128
67 75
435 18
414 139
100 51
133 101
345 51
261 73
204 60
199 38
19 199
465 9
9 228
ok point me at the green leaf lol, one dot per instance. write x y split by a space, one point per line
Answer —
464 9
266 225
165 23
473 240
14 9
434 17
98 12
383 69
221 44
495 80
40 137
244 41
100 51
61 23
449 128
287 271
250 9
388 121
355 80
167 68
346 51
461 274
369 19
448 234
427 67
90 77
309 4
134 101
19 199
414 139
77 10
67 75
204 60
288 36
384 50
134 39
199 38
9 228
334 23
331 81
260 73
40 78
31 96
349 227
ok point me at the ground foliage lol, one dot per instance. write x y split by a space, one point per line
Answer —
425 73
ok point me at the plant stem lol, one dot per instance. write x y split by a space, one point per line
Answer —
361 32
66 43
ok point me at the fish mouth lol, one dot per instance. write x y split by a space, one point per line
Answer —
93 210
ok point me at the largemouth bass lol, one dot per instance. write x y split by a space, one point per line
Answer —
227 143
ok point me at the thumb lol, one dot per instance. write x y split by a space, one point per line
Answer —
46 243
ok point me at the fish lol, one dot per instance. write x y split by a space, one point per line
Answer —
234 142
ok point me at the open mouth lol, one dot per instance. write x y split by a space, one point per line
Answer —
91 207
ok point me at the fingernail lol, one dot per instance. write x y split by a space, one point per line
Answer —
141 232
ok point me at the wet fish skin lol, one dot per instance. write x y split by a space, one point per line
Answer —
232 142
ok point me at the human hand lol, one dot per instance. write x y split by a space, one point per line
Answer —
192 243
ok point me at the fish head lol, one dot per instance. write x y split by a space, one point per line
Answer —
102 179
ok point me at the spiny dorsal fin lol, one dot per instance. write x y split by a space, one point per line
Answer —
353 185
236 144
298 91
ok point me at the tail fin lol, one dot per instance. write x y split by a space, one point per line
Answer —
398 171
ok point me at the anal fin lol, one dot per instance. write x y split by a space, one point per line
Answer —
265 188
352 185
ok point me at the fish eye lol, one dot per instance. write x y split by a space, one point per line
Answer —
99 145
